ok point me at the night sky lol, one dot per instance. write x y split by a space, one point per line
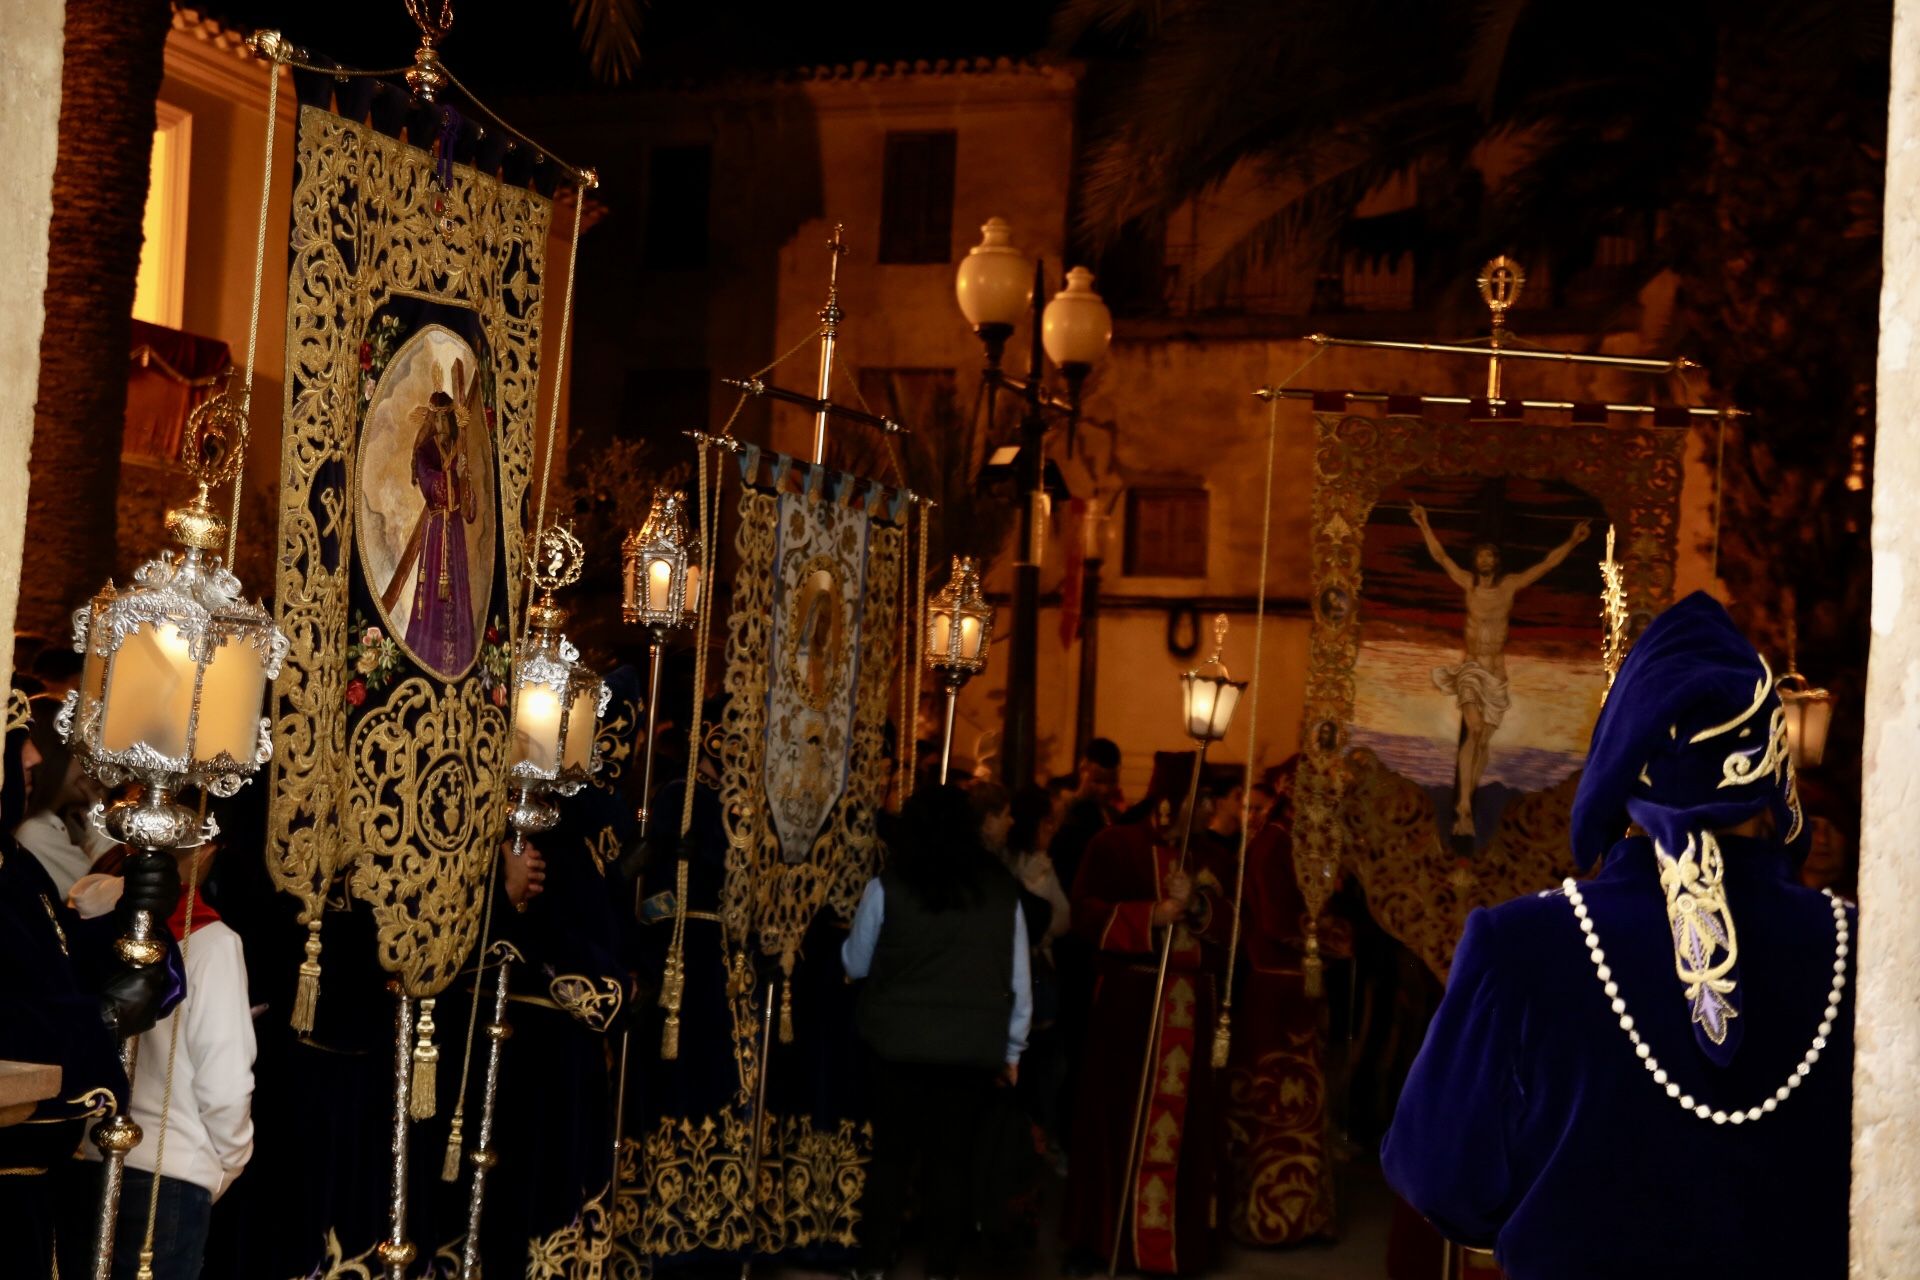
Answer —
512 49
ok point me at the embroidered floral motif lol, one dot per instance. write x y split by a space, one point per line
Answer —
1702 927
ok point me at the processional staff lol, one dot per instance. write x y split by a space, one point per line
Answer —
1209 702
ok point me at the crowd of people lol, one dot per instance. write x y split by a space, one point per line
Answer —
1039 978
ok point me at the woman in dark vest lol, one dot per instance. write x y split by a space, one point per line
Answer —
942 943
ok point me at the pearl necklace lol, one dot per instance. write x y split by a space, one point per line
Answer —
1645 1052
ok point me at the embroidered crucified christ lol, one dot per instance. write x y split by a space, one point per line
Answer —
1478 683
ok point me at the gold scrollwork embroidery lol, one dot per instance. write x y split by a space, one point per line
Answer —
592 1001
389 813
577 1251
419 824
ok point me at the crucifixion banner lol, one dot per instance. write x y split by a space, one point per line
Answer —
413 334
1455 663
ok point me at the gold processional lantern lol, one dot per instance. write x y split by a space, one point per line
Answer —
660 590
557 701
959 629
175 678
1809 715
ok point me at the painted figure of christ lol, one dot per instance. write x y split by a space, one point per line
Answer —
1478 683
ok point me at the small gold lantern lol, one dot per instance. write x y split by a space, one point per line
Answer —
660 590
557 702
175 676
1809 715
959 629
660 577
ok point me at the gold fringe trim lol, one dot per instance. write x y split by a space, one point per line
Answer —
786 1010
426 1062
306 993
450 1161
1222 1039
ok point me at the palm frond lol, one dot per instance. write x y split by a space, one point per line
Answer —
610 36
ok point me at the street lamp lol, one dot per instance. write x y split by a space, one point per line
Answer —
994 287
661 592
1075 328
959 628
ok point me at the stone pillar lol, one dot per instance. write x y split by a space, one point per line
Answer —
1886 1080
29 127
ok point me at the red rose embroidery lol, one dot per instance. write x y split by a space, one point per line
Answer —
356 692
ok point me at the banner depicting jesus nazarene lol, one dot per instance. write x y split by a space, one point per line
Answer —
752 1141
413 328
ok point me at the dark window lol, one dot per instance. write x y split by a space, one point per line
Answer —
916 198
657 405
1166 533
679 191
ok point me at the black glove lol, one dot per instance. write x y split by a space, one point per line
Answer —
130 1000
151 883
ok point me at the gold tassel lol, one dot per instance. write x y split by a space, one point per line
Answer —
450 1162
306 993
673 981
786 1011
1312 967
426 1061
1222 1039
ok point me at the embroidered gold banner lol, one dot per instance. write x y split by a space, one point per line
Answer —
1455 660
413 330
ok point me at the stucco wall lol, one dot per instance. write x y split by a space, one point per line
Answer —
1886 1080
30 58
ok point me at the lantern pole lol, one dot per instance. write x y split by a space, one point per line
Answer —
1128 1173
1205 736
655 646
953 681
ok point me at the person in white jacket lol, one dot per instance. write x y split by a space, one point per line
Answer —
209 1125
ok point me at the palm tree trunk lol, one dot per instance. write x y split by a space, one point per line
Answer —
115 53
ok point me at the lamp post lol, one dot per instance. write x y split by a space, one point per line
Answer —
1208 702
959 628
170 695
660 591
1075 330
1093 552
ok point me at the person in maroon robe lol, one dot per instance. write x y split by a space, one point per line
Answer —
1130 890
1274 1094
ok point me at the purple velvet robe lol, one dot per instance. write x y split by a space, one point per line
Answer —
440 627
